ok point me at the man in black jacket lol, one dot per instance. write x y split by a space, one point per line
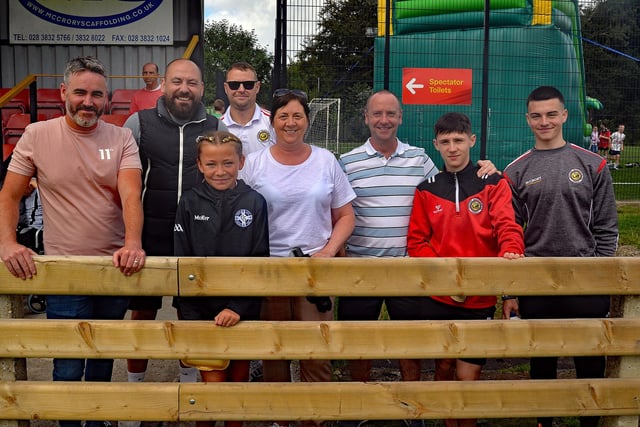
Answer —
167 136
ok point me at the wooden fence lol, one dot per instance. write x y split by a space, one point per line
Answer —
617 396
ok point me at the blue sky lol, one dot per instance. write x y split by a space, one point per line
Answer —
248 15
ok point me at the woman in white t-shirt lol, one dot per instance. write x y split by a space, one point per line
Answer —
309 207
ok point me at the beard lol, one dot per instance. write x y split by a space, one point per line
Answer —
180 109
85 123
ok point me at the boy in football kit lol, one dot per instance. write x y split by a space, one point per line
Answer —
458 214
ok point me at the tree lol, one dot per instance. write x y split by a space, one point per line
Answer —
612 73
226 43
337 62
340 53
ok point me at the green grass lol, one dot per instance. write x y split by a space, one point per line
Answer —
629 224
626 180
516 369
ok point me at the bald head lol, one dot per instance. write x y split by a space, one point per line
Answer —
150 75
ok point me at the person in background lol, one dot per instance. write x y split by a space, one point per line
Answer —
147 97
617 145
309 201
604 140
218 107
105 204
167 136
236 225
560 190
30 220
458 214
594 139
244 117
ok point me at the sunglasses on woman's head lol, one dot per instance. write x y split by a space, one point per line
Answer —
296 92
248 85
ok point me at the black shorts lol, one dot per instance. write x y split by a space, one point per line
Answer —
368 308
614 152
564 306
425 308
145 303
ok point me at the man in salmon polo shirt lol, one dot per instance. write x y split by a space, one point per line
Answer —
89 179
147 97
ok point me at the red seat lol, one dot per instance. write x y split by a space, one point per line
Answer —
12 132
17 123
8 110
50 103
115 119
120 101
18 104
7 149
14 129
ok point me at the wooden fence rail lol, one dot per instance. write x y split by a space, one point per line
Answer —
617 396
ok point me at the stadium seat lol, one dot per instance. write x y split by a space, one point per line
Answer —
18 104
120 101
49 103
115 119
14 129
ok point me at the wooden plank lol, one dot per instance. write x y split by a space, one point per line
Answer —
409 276
337 276
318 340
328 401
626 367
93 275
427 400
81 401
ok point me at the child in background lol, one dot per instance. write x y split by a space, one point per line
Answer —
594 139
604 137
222 216
458 214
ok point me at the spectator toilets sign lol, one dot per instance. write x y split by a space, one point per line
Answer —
437 86
107 22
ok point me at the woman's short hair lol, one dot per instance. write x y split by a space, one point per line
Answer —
282 97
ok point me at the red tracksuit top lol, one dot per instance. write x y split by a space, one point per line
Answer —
461 215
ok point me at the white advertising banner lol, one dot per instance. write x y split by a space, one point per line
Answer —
113 22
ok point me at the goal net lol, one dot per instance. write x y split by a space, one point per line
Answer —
324 123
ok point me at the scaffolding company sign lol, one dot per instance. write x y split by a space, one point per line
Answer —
108 22
437 86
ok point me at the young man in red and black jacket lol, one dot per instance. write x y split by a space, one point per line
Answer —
458 214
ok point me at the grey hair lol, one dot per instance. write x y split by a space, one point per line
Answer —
86 63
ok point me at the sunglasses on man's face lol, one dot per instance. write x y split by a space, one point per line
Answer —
296 92
248 85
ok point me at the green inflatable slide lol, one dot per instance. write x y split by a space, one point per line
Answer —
531 43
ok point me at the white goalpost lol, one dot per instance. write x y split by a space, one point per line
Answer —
324 123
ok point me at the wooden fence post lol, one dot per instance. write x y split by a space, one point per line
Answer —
627 366
12 306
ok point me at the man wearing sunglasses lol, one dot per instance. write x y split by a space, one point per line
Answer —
244 117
